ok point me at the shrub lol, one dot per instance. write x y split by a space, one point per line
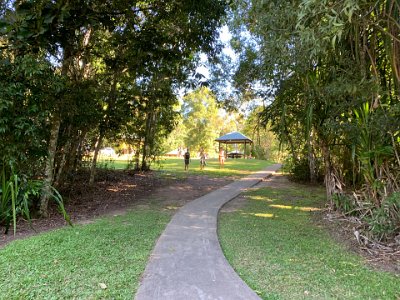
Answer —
298 171
344 203
384 221
16 197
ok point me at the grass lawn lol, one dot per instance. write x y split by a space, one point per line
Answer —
102 260
175 166
277 249
232 167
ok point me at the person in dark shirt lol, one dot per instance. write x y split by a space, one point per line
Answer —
186 157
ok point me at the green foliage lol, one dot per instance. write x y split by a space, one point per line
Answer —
9 207
75 73
298 170
28 90
265 143
334 104
384 221
372 149
344 203
200 123
18 196
201 120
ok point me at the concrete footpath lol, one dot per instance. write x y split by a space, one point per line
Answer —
187 262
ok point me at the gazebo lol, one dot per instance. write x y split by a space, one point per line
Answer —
234 138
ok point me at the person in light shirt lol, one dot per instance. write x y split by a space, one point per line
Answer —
221 157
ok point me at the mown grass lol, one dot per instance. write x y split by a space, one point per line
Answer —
277 249
175 166
102 260
232 167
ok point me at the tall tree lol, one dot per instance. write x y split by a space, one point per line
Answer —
201 119
333 65
104 51
350 49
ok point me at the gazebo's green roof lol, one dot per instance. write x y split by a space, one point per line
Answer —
234 138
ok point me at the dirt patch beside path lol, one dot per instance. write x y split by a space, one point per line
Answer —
113 194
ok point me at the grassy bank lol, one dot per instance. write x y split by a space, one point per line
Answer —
102 260
277 249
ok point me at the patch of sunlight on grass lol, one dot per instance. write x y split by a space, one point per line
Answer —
260 198
262 215
171 207
302 208
281 206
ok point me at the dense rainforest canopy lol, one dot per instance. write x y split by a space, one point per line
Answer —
76 74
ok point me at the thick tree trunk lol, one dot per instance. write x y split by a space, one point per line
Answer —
61 165
49 170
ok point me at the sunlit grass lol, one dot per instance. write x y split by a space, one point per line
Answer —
276 248
232 167
103 260
175 166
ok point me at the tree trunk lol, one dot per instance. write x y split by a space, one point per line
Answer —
328 172
94 161
49 169
65 152
137 156
76 154
311 160
147 141
333 183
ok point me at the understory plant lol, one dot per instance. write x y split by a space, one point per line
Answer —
17 196
384 221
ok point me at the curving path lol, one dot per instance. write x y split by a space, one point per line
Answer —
187 262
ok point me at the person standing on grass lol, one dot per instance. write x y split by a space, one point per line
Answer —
221 157
202 156
186 157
